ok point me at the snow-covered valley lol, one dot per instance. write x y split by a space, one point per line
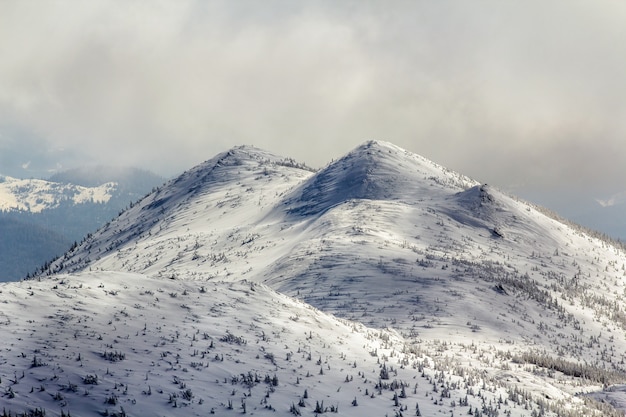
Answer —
382 284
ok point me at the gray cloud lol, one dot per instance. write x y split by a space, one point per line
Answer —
524 95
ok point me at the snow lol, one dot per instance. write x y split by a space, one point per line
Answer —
36 195
381 257
373 171
148 340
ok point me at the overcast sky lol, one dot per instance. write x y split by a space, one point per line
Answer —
527 95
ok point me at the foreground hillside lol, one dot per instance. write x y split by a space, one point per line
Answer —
487 302
123 344
109 343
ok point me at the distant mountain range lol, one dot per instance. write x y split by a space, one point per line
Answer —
382 284
39 219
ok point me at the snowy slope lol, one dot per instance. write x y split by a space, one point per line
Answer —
120 343
513 309
110 343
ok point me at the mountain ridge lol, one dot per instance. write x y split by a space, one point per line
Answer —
287 246
33 195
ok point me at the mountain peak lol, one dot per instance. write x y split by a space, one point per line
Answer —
246 158
375 170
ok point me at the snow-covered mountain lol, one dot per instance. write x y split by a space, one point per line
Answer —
99 184
382 284
35 195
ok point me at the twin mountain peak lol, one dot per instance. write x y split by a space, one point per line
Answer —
457 270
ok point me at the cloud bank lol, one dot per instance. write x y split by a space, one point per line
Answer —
522 95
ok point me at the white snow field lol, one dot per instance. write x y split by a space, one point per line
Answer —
380 285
